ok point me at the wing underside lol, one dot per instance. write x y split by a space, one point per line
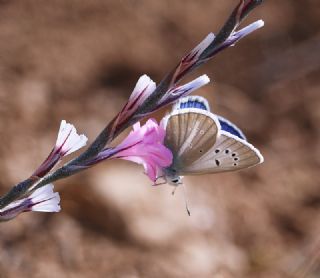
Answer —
202 142
229 153
190 133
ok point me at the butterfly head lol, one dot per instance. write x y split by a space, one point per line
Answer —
174 181
171 177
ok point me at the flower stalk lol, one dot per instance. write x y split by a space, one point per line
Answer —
144 143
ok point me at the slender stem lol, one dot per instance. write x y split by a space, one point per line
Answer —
112 130
18 191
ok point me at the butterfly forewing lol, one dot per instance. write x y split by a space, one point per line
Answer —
229 153
190 133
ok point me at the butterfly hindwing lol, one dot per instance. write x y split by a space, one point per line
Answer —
190 133
192 102
230 127
229 153
201 103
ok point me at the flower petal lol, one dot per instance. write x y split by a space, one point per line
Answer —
250 28
191 86
69 140
45 199
42 199
144 145
144 87
194 54
176 92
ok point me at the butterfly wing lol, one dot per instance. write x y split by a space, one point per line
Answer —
229 153
190 133
191 102
230 127
203 142
201 103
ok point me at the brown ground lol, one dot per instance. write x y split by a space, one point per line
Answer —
79 60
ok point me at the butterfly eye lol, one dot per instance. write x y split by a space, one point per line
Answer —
175 180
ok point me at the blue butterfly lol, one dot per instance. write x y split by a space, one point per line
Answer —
203 143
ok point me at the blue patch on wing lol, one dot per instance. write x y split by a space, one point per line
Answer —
231 128
193 104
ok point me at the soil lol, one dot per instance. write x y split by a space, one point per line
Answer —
79 61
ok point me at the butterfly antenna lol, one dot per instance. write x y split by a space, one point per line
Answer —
186 199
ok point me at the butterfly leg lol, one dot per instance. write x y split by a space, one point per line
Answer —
186 199
174 190
184 195
160 183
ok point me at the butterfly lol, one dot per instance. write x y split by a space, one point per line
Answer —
203 143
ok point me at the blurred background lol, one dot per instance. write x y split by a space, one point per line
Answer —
79 61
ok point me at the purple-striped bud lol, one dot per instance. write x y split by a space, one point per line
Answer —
43 199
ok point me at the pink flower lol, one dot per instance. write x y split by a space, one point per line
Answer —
144 145
42 199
